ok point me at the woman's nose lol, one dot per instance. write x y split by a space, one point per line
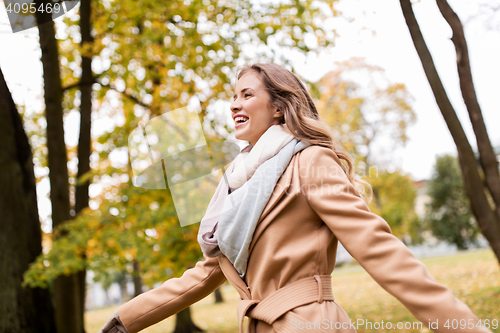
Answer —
235 107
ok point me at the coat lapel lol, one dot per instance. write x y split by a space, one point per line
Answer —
287 184
233 277
287 188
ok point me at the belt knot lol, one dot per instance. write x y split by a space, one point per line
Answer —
317 288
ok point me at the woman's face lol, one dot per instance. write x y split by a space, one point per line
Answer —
251 109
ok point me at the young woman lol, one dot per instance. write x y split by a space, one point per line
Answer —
294 197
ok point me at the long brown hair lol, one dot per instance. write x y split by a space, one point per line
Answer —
288 94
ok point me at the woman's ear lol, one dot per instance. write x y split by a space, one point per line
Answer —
278 114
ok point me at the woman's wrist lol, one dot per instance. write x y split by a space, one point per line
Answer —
113 325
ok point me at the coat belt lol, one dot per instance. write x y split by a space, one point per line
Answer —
275 308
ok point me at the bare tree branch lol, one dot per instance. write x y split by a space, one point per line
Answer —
487 157
129 96
485 216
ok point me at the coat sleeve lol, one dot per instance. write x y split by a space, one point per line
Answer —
368 238
172 296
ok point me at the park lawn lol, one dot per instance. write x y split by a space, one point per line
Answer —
473 276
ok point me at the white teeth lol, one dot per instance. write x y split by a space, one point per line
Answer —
240 119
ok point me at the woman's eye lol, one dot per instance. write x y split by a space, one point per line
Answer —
246 95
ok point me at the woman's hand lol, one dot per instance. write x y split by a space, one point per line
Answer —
113 325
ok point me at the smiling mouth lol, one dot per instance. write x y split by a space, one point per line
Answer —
240 121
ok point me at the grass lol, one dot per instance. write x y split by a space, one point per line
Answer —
473 276
214 318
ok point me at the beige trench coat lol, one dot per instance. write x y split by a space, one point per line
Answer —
312 207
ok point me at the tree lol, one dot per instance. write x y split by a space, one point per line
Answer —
159 60
84 140
448 213
66 287
23 309
184 323
138 225
150 61
483 191
362 107
394 200
218 296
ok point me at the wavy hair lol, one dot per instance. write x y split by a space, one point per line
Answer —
289 95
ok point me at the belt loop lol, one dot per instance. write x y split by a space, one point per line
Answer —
320 288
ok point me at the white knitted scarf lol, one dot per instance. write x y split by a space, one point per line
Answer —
244 207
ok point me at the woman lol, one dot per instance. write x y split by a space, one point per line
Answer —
278 248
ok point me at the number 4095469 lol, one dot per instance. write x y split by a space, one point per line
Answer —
454 324
32 8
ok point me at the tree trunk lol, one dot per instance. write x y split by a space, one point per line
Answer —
137 279
487 219
84 141
123 289
218 296
487 156
66 290
27 310
184 322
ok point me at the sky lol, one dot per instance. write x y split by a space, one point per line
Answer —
386 42
377 32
